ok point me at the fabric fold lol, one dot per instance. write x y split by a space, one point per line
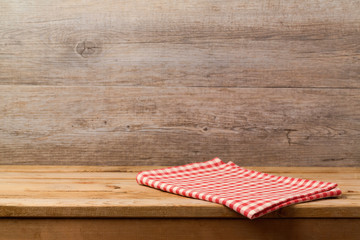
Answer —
247 192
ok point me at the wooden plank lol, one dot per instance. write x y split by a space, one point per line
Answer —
347 182
81 193
110 185
131 169
122 176
108 229
136 169
163 208
189 43
173 126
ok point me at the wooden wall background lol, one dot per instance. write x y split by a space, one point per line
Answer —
143 82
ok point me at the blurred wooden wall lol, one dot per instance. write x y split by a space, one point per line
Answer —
161 82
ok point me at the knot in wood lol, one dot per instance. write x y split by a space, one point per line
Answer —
86 48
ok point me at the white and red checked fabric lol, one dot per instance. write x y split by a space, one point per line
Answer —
248 192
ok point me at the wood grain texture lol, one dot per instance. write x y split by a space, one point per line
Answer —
189 43
178 229
23 169
137 82
172 126
112 192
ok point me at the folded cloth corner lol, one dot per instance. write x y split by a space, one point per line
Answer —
247 192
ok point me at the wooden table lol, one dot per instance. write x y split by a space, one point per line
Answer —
91 202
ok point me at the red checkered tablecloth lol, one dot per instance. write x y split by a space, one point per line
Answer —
248 192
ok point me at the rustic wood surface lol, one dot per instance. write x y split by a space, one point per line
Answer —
173 126
135 82
179 229
112 192
180 43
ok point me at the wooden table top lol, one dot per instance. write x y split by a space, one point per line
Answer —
93 191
